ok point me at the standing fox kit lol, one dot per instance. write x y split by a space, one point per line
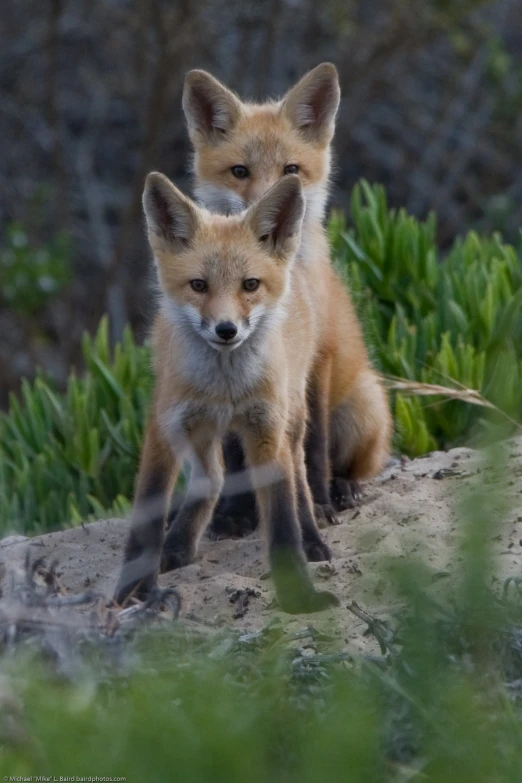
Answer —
241 150
234 343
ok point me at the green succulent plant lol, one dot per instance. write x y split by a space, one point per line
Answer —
67 457
455 321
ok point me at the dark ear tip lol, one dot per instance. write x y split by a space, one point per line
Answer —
290 187
292 183
197 77
154 178
327 68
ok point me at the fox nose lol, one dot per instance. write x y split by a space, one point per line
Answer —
226 330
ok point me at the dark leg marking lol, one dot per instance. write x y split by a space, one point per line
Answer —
179 545
143 546
235 515
345 493
295 591
314 546
317 455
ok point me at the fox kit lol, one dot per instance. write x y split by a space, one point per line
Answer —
241 150
234 341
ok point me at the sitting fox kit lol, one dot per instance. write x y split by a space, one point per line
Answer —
241 150
234 343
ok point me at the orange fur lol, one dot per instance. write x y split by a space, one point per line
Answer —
265 138
254 384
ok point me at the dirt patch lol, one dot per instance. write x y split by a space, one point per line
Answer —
410 509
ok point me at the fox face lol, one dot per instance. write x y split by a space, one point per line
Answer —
223 278
243 149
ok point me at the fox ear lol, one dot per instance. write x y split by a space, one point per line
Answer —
277 217
170 215
210 108
312 104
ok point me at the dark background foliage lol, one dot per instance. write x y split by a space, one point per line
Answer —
90 101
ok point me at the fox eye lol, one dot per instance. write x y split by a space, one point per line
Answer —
252 284
240 172
199 286
292 168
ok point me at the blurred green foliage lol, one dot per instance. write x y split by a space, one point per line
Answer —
452 322
30 277
68 457
440 703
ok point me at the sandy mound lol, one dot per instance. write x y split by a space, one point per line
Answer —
409 509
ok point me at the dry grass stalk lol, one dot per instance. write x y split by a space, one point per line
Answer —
419 389
458 392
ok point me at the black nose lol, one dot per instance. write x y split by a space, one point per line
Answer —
226 330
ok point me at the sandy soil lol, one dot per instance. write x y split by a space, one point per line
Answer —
407 510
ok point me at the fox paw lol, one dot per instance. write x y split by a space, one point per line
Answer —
345 493
316 550
178 551
325 515
175 557
226 525
137 588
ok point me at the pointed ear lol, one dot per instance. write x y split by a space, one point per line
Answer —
312 104
277 217
211 110
170 215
